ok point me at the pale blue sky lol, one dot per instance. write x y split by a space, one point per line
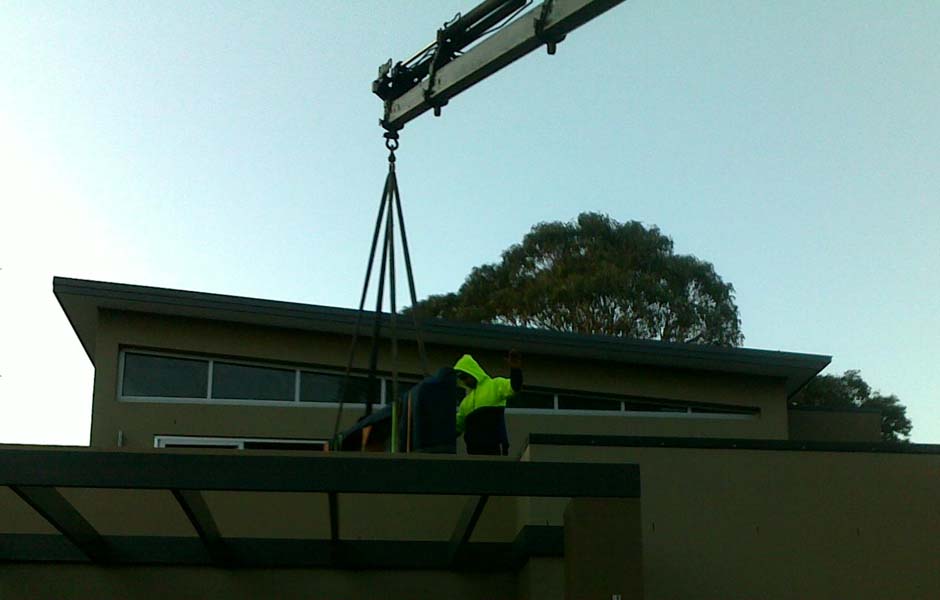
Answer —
234 148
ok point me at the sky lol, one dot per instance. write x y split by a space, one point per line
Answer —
234 147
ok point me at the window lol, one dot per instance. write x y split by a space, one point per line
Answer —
573 402
246 382
634 405
164 377
327 387
172 441
188 441
725 410
637 406
532 399
152 376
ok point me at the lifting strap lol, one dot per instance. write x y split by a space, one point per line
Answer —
389 207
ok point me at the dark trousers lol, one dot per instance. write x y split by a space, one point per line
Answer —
486 433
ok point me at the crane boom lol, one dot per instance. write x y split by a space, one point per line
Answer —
409 92
493 38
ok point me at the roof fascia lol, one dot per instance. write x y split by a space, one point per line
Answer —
82 299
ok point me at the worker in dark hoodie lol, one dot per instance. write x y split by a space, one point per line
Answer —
480 417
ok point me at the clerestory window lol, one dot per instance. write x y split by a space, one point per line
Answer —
154 377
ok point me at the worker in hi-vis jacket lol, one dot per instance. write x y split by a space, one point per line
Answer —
480 417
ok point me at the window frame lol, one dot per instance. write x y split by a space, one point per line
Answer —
121 365
735 412
536 411
231 443
209 400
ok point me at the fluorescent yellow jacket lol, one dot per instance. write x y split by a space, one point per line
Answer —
490 391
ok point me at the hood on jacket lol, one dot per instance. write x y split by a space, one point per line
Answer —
471 367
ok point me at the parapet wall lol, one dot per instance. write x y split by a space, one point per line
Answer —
775 520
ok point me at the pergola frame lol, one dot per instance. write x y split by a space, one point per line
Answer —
35 474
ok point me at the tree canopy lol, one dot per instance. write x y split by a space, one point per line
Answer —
849 390
598 276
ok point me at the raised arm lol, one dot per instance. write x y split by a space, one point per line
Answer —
515 370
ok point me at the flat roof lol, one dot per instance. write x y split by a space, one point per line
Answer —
82 299
632 441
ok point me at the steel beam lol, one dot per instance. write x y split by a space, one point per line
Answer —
465 526
502 48
334 472
59 512
199 515
292 553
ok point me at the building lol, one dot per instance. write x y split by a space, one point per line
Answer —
638 468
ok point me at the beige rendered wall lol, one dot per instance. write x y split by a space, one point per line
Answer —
139 422
834 426
603 549
779 524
